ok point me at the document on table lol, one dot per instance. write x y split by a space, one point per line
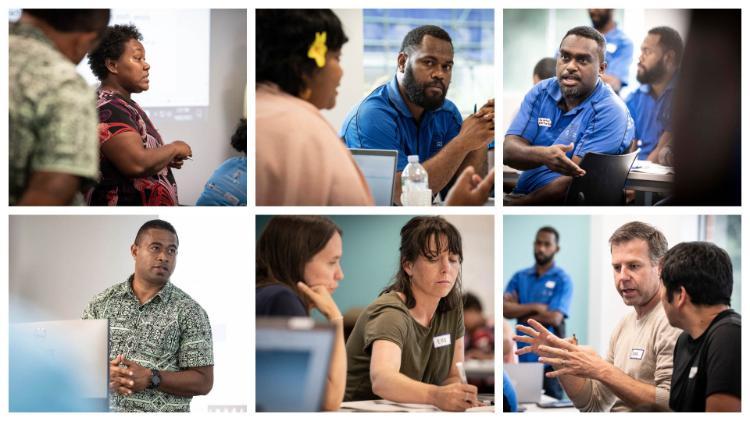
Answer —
649 167
383 405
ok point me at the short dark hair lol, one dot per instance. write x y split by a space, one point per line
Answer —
239 138
287 243
551 231
414 37
111 47
657 242
282 40
415 242
670 40
704 269
155 224
590 33
545 68
73 20
471 302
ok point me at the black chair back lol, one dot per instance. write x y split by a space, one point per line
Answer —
604 180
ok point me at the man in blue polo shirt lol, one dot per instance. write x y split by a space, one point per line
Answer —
563 118
542 292
651 104
619 48
411 115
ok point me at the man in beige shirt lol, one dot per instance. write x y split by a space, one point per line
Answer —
636 374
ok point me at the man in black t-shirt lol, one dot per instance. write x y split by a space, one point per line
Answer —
697 286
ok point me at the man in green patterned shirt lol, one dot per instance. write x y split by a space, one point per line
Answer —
161 349
53 145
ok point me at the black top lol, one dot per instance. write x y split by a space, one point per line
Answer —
278 300
707 365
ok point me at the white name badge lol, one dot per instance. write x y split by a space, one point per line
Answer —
441 341
636 354
550 284
693 372
544 122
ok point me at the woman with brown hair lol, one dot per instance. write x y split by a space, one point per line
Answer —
298 267
405 345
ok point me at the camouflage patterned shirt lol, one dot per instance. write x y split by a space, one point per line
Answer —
169 332
52 113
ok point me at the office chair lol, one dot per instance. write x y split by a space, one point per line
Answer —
604 180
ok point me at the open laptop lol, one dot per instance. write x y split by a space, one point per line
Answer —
527 379
379 169
292 357
59 366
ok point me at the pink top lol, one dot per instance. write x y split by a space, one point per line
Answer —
300 161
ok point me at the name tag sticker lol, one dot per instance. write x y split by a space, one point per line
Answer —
636 354
544 122
441 341
549 284
693 372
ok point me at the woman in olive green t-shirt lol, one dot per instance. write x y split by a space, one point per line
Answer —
405 345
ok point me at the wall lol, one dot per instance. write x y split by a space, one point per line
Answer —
228 81
352 54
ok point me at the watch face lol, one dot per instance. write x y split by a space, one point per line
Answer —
155 379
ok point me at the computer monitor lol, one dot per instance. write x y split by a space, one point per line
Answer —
379 169
527 379
292 358
59 366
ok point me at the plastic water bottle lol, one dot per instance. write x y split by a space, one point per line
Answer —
415 190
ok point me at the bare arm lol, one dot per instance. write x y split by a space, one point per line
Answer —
127 377
722 402
389 383
519 154
664 140
514 310
188 382
547 317
336 381
50 189
127 153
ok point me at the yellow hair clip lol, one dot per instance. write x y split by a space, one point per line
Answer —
318 49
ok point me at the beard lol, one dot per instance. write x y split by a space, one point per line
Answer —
599 21
543 259
654 74
573 92
416 92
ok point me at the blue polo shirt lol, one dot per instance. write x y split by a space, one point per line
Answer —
652 116
383 121
554 288
601 123
619 54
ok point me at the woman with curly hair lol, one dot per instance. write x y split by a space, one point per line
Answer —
135 163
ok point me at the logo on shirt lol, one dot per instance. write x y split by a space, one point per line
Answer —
544 122
550 284
441 341
693 372
636 354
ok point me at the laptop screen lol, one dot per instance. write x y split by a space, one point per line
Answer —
292 357
379 169
59 366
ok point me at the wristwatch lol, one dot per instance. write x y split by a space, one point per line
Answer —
155 379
